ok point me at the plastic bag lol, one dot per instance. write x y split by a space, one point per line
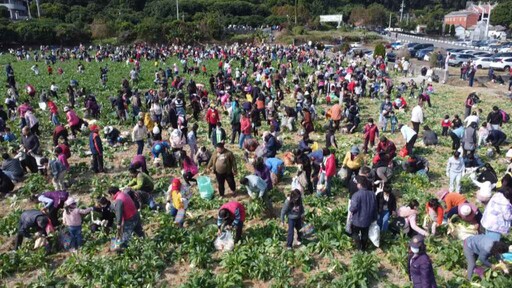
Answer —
224 242
343 174
461 231
65 240
116 244
307 230
374 234
40 242
403 152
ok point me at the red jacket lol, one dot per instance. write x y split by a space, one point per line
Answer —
232 207
371 132
212 116
245 125
53 108
129 209
439 213
65 150
388 147
447 123
330 166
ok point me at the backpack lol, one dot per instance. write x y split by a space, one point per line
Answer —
505 116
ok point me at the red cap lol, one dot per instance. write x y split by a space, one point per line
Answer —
176 184
94 128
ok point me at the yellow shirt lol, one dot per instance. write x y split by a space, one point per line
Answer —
356 163
176 199
148 122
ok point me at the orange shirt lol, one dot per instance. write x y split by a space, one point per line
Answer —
336 112
453 200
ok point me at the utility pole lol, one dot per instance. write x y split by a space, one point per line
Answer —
177 10
28 10
390 14
295 12
402 11
491 6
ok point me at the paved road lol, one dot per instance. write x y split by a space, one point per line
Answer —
444 44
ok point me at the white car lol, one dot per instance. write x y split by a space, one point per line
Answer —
356 45
483 63
502 64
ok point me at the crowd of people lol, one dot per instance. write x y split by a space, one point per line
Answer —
259 94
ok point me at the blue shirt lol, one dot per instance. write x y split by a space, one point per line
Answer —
274 164
317 155
255 185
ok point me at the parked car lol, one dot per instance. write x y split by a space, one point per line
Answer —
391 56
502 64
482 54
483 62
410 46
505 47
421 53
419 47
356 45
397 45
502 55
458 59
454 50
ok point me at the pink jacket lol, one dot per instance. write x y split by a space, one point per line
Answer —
190 166
64 160
72 118
74 217
410 216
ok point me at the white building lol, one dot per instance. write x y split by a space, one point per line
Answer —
17 8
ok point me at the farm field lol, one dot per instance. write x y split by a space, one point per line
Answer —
172 257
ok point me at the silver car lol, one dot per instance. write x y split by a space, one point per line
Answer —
458 59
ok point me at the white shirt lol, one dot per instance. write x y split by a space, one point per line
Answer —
407 133
54 88
417 114
470 119
405 65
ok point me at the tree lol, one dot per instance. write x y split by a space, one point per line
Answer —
501 15
380 50
100 29
358 16
377 15
4 12
452 30
151 30
54 11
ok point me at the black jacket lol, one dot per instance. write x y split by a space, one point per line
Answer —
495 118
6 184
28 220
391 202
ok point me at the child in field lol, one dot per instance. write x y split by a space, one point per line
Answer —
72 219
446 124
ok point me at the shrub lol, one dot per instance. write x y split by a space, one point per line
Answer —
403 53
380 50
433 60
298 30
